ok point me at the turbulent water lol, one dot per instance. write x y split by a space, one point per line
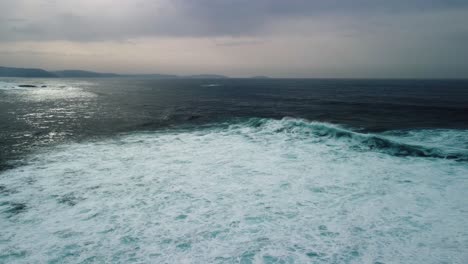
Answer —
129 171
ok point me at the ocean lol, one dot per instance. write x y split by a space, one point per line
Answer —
128 170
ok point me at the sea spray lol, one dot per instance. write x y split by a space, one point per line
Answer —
263 190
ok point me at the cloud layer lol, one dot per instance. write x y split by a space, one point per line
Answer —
89 20
360 38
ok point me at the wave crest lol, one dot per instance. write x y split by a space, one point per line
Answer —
355 140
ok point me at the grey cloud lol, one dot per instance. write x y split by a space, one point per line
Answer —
30 53
83 21
233 43
399 38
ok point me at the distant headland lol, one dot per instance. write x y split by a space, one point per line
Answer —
41 73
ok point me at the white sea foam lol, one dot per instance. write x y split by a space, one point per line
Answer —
245 193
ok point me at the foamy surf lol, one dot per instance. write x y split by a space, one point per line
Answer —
261 191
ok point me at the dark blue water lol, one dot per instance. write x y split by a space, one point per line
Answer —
32 117
233 171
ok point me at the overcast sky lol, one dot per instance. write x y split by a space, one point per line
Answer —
280 38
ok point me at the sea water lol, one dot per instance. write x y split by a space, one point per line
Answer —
234 190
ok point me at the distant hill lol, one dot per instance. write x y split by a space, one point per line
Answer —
156 76
40 73
27 73
260 77
206 76
82 74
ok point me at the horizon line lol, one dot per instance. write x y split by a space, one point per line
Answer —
218 76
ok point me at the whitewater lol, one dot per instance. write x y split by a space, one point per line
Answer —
244 191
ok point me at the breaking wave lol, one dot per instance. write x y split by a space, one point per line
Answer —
257 191
361 141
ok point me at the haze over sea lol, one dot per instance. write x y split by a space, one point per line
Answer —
134 170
